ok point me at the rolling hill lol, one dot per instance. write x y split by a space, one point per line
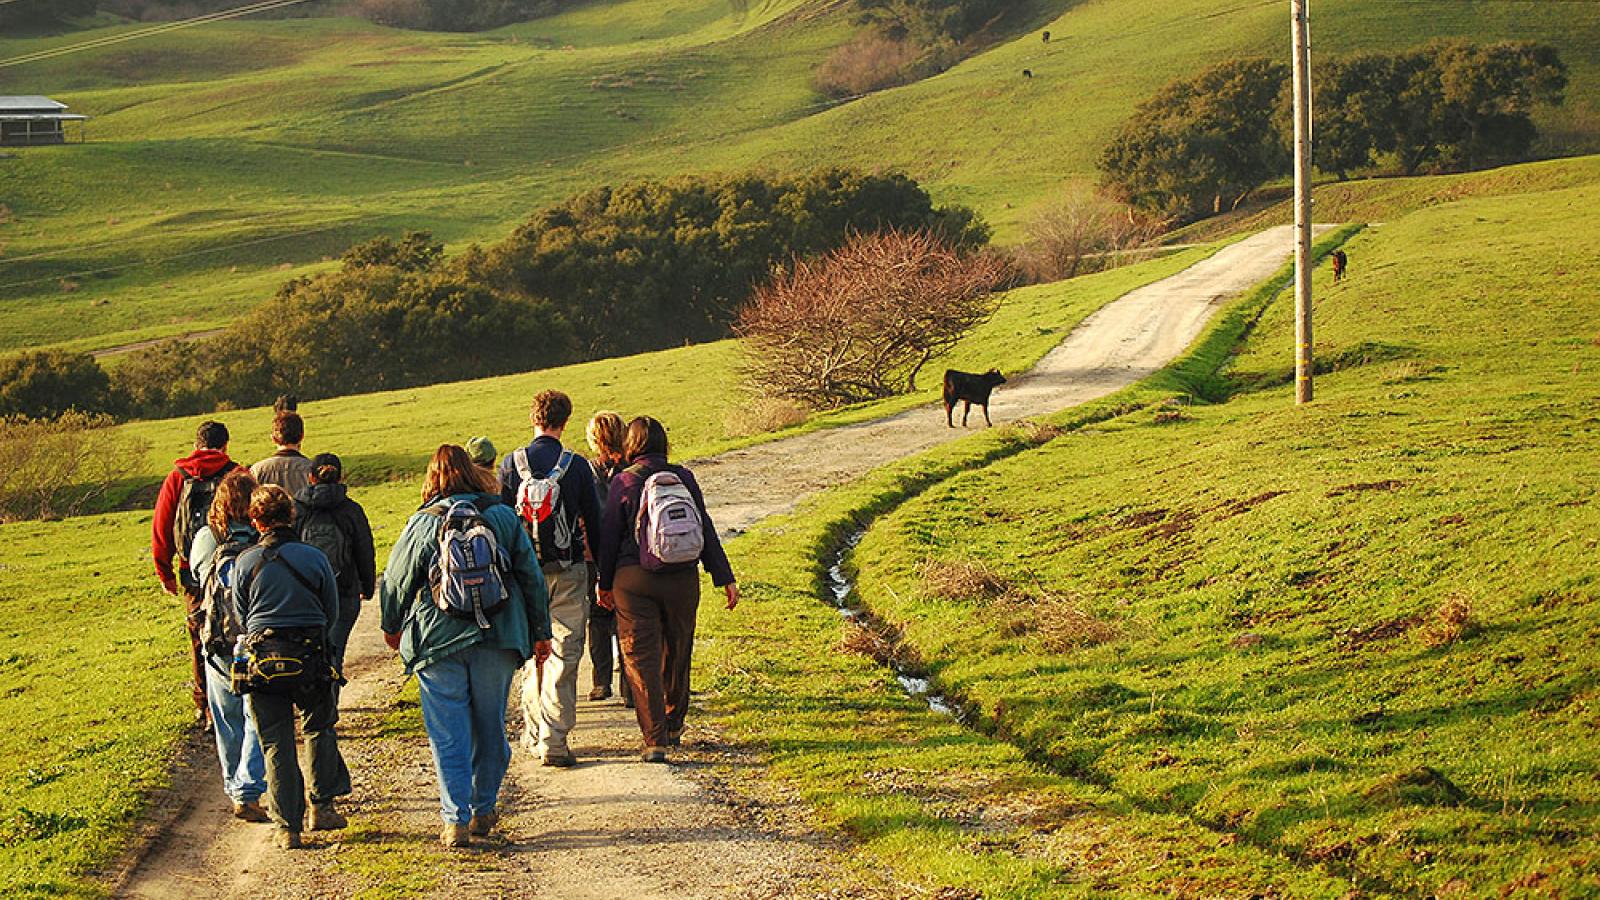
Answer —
227 158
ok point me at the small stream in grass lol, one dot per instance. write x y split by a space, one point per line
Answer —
914 682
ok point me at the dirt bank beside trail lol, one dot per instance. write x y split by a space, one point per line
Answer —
614 826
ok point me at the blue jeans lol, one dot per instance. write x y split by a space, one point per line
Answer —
244 770
464 700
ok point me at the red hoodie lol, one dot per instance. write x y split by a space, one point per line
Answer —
200 464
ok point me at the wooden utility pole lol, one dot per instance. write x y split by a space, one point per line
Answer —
1300 29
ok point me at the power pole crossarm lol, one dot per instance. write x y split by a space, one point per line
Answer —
1300 30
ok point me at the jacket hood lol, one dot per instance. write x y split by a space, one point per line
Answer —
203 463
323 496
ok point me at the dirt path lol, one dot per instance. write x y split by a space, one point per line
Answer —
613 826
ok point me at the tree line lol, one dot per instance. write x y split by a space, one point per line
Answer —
1202 145
610 272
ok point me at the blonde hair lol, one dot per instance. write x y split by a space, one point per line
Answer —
605 434
452 471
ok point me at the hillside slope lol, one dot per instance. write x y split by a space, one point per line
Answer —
269 146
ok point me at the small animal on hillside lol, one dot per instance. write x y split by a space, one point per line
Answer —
285 403
1340 263
1047 37
1027 73
968 388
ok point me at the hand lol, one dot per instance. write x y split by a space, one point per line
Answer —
732 591
607 600
393 640
541 651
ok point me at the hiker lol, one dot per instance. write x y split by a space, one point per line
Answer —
287 598
287 467
604 435
215 552
326 518
1340 264
655 529
552 490
181 511
464 655
483 455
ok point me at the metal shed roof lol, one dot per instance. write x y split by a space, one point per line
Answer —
32 104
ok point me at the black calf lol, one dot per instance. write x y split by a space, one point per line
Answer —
968 388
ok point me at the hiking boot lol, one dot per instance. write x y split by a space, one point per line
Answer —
250 811
560 759
480 826
627 702
455 836
286 839
600 692
325 818
654 755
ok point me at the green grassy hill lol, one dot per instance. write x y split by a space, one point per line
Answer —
1354 638
227 158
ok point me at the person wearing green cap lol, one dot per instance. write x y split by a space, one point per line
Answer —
482 453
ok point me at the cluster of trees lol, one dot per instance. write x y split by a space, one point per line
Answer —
905 40
453 15
1203 144
610 272
860 323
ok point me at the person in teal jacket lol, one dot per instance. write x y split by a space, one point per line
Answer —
464 672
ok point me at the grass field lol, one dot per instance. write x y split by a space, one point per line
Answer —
1354 637
225 159
88 628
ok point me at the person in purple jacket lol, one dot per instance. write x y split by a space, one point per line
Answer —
655 609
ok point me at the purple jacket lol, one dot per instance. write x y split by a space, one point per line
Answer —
619 542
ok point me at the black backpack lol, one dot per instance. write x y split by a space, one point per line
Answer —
194 505
320 528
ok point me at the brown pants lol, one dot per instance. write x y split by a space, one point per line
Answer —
197 657
655 626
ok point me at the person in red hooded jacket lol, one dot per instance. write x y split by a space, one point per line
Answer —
180 511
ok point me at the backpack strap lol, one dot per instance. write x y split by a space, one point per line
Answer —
560 470
519 458
271 554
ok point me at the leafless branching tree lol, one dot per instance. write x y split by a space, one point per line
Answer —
861 322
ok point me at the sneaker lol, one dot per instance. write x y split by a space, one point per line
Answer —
530 743
654 755
455 836
250 811
600 692
480 826
325 818
287 840
560 759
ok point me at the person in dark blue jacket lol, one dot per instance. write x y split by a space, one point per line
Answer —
289 587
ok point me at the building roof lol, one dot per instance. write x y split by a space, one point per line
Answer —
31 104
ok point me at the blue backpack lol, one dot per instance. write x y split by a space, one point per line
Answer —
468 578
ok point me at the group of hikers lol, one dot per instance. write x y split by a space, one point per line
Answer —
508 566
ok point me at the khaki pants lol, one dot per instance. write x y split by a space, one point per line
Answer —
551 709
655 624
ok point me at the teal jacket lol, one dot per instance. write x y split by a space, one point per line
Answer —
428 635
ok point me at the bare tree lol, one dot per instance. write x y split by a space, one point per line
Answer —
863 321
1080 232
58 467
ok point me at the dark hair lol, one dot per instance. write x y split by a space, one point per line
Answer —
452 471
288 429
211 436
551 409
271 507
231 503
645 436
